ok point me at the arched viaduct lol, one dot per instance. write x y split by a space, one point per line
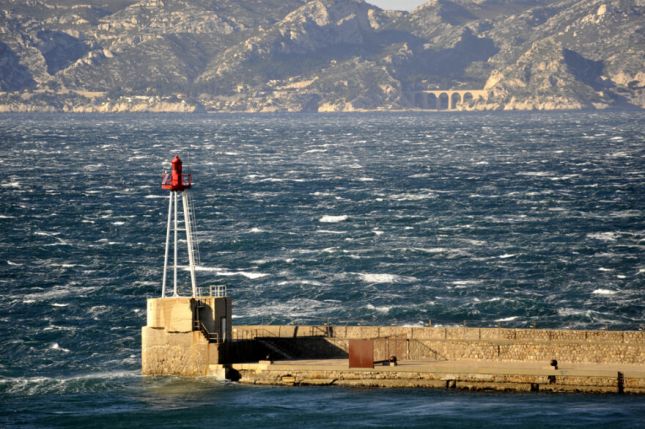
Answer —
446 99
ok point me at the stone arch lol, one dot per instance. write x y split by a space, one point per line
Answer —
468 98
432 102
455 100
443 102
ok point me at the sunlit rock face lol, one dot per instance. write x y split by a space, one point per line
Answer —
251 55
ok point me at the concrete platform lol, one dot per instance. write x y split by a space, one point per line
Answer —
471 375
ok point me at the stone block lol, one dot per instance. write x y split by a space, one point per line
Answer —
286 331
152 336
428 333
362 332
635 337
173 314
395 331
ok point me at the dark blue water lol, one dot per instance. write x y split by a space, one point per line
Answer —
511 220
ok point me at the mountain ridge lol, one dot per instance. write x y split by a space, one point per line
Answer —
318 55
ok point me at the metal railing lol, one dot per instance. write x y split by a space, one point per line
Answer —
212 337
217 291
186 179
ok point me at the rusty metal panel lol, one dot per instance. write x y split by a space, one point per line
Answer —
361 353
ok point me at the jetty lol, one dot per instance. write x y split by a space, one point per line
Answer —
193 336
182 338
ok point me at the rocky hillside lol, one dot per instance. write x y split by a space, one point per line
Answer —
318 55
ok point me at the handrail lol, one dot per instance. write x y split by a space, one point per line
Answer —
212 337
311 331
437 355
186 179
271 334
217 291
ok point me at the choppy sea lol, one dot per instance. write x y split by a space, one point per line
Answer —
511 220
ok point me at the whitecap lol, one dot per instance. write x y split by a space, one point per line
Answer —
256 230
333 219
38 385
431 249
625 214
15 264
13 185
273 180
606 292
225 273
378 278
410 197
55 304
507 319
56 346
118 223
466 282
251 275
294 309
571 312
565 177
383 278
603 236
474 242
535 173
506 256
381 309
54 293
46 234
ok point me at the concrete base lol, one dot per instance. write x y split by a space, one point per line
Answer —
171 344
176 353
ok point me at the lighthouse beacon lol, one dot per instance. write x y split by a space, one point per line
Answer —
187 327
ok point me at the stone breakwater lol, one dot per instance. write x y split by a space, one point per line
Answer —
449 357
174 343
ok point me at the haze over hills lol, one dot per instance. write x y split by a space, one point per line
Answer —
319 55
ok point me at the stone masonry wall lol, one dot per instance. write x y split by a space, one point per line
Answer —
176 353
460 343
